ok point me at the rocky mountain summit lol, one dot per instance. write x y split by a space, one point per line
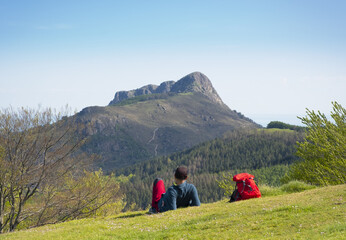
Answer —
193 82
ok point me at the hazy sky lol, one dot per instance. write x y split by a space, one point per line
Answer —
269 60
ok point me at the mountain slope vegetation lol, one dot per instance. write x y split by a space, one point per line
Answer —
157 120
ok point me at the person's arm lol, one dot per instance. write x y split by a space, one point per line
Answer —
194 197
168 201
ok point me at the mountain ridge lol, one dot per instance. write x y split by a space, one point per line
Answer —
193 82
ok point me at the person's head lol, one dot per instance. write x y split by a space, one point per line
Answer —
180 174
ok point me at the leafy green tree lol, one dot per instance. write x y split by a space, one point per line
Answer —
323 151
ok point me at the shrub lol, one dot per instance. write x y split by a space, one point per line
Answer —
267 191
296 186
323 151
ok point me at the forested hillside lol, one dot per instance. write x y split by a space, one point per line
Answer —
266 152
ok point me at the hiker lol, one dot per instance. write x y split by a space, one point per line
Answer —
180 194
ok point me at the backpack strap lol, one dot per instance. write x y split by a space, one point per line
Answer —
235 196
246 185
243 186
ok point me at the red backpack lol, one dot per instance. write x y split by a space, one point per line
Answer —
245 187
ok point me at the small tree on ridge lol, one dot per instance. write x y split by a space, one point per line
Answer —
323 151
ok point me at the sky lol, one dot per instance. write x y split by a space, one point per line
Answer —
269 60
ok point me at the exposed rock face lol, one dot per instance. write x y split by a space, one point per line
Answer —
165 87
197 82
194 82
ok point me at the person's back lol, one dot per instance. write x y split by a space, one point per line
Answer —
181 194
186 195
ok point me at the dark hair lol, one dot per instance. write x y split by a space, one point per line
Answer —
181 173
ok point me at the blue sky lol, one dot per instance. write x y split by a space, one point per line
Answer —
269 60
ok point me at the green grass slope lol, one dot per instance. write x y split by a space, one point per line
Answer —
313 214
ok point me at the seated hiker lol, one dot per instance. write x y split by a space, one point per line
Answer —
181 194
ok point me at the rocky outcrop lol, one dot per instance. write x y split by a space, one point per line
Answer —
197 82
194 82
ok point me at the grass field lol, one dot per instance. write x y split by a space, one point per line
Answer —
313 214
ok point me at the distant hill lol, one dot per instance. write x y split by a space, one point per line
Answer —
281 125
153 121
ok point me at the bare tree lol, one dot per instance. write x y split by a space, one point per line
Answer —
39 147
77 197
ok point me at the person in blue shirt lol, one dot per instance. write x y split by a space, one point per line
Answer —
180 194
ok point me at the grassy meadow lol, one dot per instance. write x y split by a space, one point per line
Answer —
318 213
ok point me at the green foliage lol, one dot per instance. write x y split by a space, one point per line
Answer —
271 176
281 125
74 197
296 186
323 151
290 187
269 191
313 214
253 151
87 195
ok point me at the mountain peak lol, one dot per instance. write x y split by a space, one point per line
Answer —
197 82
193 82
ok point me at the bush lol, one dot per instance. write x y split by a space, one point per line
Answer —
268 191
323 151
291 187
296 186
